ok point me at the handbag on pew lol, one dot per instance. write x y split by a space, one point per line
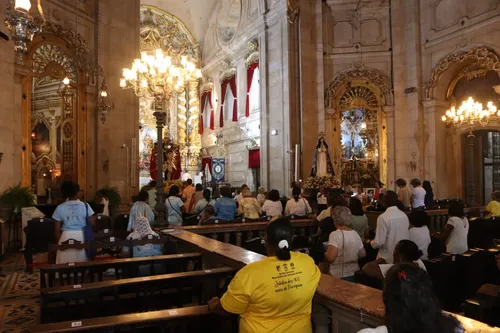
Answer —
88 234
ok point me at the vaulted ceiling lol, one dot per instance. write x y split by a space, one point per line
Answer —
195 14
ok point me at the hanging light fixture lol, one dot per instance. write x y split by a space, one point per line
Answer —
22 26
471 113
103 105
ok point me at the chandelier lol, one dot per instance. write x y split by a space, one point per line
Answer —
158 74
471 113
22 26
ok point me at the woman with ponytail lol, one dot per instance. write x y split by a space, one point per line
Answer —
273 294
297 205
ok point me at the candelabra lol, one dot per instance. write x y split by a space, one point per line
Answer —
159 76
471 113
22 26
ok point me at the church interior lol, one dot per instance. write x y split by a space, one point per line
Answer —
155 153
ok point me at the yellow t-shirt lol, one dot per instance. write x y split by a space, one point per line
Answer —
274 296
494 208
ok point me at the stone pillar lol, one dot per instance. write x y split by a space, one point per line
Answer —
470 171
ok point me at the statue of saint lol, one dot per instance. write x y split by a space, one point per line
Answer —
322 164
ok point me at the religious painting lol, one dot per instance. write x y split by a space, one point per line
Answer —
41 139
147 139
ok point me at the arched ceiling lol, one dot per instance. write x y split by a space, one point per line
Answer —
195 14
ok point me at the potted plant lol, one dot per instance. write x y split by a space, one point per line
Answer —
16 198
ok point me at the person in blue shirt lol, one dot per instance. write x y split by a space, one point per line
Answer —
140 208
70 219
225 207
174 206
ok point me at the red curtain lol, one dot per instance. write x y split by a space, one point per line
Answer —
223 89
212 116
250 72
232 84
254 159
206 161
202 109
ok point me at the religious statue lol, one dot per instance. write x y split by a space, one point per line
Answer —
173 167
322 164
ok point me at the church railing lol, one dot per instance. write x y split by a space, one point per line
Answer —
350 306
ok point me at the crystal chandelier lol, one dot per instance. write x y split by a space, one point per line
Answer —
471 113
158 74
22 26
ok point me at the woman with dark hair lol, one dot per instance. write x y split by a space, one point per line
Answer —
411 305
274 294
418 194
456 231
175 207
429 194
140 208
405 252
272 206
225 207
419 232
204 202
297 205
70 219
359 222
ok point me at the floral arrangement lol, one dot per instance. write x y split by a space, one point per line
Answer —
364 176
324 181
170 183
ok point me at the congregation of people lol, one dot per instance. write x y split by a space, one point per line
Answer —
402 240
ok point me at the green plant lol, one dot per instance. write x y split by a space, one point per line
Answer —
17 197
112 194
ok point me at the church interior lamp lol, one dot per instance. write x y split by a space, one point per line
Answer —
21 24
471 113
159 75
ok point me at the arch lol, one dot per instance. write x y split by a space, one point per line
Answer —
372 79
480 58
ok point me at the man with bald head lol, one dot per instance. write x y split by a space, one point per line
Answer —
392 226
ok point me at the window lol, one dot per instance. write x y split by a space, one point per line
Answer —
255 92
228 104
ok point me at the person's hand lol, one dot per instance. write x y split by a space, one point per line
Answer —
213 303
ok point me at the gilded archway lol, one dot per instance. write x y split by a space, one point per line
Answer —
355 101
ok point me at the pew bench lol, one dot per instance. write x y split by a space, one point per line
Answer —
187 319
132 295
92 271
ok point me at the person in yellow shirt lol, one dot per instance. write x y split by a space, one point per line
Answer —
273 295
493 207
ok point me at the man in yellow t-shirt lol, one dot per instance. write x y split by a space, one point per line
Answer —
273 295
493 207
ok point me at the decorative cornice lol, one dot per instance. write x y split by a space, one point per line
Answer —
227 72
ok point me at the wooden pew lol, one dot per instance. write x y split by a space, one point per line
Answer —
140 294
92 271
187 319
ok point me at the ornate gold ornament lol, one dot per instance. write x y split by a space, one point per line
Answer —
359 97
483 56
292 11
227 71
206 84
252 57
341 83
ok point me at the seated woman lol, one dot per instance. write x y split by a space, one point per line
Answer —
249 207
272 206
140 208
419 232
204 203
456 231
208 214
345 246
411 305
142 230
225 207
265 295
405 252
174 206
70 218
359 222
297 205
493 208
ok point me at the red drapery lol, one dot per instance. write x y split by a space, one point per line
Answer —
232 84
250 72
206 161
200 123
223 89
254 159
212 116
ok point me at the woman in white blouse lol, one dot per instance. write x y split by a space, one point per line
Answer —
297 205
272 206
456 231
